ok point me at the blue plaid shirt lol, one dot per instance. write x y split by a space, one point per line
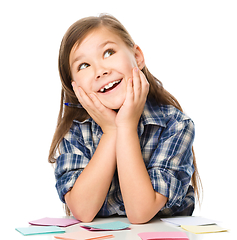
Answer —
166 138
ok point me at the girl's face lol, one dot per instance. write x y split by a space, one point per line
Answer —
102 64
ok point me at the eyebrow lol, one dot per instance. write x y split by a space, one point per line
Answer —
76 59
105 43
100 46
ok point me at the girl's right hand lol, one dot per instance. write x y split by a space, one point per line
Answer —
102 115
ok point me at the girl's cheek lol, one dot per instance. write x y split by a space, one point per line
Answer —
78 78
84 81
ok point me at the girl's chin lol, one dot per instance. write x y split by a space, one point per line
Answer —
114 102
113 105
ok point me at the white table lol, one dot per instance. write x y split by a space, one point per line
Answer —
156 225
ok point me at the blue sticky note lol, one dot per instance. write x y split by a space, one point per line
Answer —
39 230
107 226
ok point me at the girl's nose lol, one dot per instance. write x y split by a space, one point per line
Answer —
102 73
101 70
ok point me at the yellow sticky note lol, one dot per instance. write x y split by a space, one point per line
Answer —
204 229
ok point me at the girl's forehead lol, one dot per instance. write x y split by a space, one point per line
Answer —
97 38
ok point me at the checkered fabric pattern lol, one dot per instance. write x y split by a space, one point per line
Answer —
166 138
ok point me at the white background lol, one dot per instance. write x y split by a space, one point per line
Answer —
191 46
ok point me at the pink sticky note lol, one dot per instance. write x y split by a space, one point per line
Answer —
163 236
83 235
60 222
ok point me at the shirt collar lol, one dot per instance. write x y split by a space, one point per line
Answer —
152 114
95 128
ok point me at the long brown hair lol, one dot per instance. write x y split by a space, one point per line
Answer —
75 35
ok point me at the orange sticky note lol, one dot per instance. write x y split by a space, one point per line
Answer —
84 235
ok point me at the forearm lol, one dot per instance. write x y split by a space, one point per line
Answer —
89 191
140 199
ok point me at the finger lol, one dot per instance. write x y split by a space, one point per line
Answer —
144 84
86 100
97 103
136 83
130 91
81 96
75 89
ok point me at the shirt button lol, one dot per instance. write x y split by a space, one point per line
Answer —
121 208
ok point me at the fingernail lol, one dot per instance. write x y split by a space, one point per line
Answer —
130 81
136 69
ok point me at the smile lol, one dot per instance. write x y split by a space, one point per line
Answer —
110 86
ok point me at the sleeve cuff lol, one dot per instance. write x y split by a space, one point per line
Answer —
65 183
166 184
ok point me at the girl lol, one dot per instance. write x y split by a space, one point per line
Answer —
128 150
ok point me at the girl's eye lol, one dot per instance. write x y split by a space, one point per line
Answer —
83 66
108 53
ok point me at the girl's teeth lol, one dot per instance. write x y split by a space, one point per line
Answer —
109 86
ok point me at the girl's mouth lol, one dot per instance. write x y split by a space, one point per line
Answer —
110 86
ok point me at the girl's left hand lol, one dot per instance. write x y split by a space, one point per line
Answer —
132 108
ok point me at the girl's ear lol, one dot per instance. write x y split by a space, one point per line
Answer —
139 57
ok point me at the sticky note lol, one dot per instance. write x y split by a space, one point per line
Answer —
60 222
203 229
163 235
39 230
188 220
83 235
107 226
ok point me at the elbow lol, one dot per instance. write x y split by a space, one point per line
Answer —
81 213
137 221
139 218
142 215
88 217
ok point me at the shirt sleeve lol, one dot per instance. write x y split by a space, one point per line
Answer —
171 165
69 165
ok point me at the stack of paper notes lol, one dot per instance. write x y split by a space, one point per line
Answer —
163 235
60 222
111 226
203 229
47 226
82 235
195 225
39 230
52 225
93 230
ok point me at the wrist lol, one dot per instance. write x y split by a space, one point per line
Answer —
110 132
127 130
